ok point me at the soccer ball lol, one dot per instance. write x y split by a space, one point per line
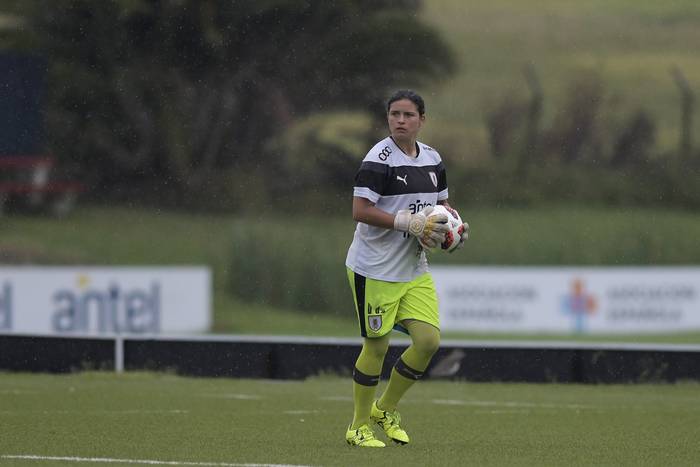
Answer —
454 221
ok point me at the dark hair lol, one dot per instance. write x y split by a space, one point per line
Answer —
411 96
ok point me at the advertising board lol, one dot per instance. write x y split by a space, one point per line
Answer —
563 300
105 300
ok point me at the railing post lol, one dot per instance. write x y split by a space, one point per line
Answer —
119 354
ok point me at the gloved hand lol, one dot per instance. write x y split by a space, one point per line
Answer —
430 230
464 236
464 231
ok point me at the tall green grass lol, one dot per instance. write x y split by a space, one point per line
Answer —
293 265
632 44
305 270
268 269
579 236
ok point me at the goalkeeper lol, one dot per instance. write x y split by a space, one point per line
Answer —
398 183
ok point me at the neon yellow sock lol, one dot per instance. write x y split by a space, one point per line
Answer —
363 397
416 357
368 368
398 384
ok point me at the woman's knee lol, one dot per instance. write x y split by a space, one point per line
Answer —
375 348
427 345
426 339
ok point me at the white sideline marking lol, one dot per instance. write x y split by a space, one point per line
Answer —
245 397
97 412
510 404
503 412
336 398
18 392
109 460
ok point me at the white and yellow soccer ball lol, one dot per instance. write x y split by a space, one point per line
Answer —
456 225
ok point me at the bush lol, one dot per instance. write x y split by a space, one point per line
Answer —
652 183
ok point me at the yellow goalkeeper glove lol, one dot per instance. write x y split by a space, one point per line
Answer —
429 230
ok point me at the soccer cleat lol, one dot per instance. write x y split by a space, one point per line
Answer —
364 437
389 422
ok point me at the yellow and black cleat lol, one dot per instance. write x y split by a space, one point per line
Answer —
363 437
390 422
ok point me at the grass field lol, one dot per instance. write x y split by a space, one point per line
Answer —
184 421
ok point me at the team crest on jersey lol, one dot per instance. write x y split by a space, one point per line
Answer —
375 322
433 178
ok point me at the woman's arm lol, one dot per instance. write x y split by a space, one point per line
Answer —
363 210
430 231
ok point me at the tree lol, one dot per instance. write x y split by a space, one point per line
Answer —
168 92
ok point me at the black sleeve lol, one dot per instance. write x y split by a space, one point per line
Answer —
372 175
442 177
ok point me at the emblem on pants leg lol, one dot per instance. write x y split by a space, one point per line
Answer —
375 322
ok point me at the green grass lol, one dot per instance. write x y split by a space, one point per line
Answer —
168 418
582 236
632 44
240 317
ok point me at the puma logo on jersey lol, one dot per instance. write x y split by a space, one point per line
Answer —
403 179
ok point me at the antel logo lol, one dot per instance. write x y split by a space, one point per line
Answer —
113 309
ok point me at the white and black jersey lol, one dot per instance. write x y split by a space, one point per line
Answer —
393 181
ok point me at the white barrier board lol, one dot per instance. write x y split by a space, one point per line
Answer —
105 300
583 300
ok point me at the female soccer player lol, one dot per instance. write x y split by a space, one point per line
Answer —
397 186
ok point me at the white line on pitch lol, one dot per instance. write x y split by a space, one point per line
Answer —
244 397
97 412
510 404
18 392
108 460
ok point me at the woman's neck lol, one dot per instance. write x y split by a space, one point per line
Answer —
408 146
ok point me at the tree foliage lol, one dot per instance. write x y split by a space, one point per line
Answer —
164 93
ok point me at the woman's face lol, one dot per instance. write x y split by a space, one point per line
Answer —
404 120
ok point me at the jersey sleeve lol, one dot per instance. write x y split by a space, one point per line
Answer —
442 182
371 180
